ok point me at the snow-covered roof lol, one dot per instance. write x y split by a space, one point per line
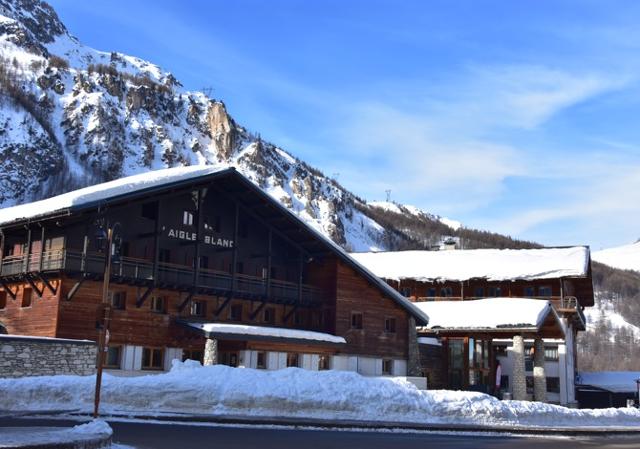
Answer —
264 331
626 257
490 264
615 381
429 341
486 314
104 191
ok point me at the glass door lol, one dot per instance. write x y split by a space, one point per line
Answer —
456 363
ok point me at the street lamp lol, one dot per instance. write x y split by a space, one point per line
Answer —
104 308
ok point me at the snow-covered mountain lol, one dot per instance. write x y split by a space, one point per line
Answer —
626 257
72 116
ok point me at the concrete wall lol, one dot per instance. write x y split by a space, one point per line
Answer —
22 356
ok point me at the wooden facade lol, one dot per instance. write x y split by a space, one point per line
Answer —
209 249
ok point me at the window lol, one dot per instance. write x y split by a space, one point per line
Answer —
189 354
187 218
494 292
553 385
500 351
387 367
529 292
118 300
3 299
159 304
356 320
446 292
529 384
262 360
197 308
152 358
390 325
323 362
528 358
229 358
235 312
26 297
544 290
504 382
243 229
551 353
478 292
113 357
165 255
405 291
269 315
292 359
431 292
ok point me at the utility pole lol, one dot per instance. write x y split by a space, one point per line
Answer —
388 192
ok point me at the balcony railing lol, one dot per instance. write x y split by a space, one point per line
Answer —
571 304
168 274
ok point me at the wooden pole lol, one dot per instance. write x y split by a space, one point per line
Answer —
104 311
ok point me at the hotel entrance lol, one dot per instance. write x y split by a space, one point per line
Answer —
469 364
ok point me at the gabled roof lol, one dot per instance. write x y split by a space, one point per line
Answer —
489 264
146 185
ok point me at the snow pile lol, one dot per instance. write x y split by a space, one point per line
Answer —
489 313
292 393
95 427
490 264
265 331
618 381
626 257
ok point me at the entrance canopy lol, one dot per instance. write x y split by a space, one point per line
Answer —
224 331
499 317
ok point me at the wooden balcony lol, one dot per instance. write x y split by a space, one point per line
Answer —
171 276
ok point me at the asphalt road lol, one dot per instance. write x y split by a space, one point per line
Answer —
143 435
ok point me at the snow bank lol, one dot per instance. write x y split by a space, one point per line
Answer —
292 392
97 426
490 264
626 257
265 331
489 313
618 381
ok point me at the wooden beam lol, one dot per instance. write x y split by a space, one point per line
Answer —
1 249
8 289
25 267
185 302
47 284
255 313
41 250
288 314
33 286
144 297
156 243
300 270
223 306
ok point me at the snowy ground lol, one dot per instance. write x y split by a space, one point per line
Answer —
220 390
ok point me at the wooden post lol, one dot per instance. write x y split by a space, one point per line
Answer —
41 250
269 262
1 250
300 268
25 265
156 244
199 220
234 257
102 331
85 248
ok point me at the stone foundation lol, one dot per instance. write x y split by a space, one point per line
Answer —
22 356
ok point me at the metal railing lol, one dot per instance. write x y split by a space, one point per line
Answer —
572 303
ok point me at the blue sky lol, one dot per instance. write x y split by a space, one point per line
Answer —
518 117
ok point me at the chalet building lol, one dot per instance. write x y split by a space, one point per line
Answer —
522 308
204 265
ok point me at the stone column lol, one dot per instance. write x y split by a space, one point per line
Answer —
539 377
211 352
414 368
519 381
